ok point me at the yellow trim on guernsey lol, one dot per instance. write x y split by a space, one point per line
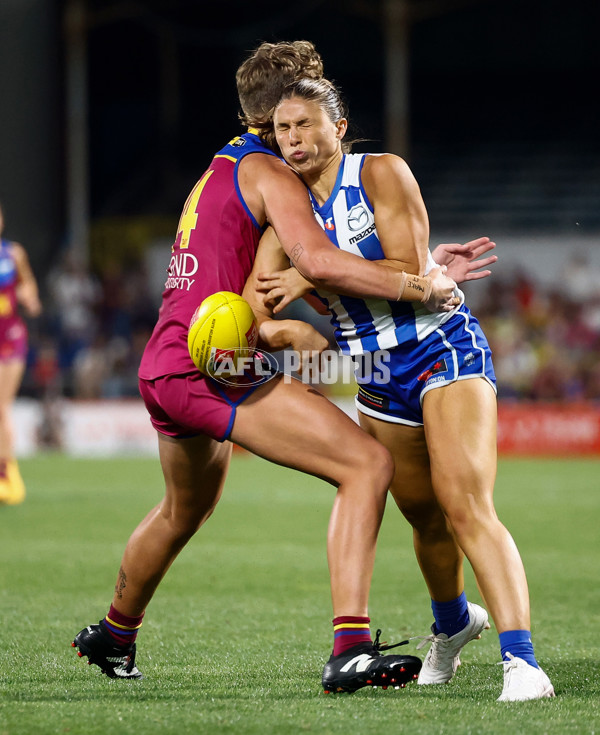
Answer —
229 158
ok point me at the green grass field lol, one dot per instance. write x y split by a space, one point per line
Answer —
236 637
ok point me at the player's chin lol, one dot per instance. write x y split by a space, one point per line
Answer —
297 167
301 165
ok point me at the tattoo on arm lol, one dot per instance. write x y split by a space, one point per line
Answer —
297 251
121 583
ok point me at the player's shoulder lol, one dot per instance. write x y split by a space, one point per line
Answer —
17 250
266 181
242 145
268 164
13 248
386 171
382 164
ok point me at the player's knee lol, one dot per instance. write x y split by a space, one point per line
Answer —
425 516
471 516
374 462
387 466
185 519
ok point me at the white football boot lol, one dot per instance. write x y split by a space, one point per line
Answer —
443 659
522 681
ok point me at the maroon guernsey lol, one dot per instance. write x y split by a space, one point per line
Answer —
214 250
13 334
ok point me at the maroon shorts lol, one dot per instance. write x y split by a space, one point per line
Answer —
191 404
13 342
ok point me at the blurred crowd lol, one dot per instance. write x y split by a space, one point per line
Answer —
545 338
89 342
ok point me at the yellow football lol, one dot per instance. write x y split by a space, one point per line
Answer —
222 330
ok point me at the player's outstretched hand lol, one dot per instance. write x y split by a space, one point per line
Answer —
442 296
309 345
282 287
307 342
462 259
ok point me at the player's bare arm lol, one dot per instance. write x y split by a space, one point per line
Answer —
435 291
463 260
281 333
400 214
402 222
27 289
282 287
288 284
286 206
270 256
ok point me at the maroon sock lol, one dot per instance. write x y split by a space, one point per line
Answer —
348 631
123 628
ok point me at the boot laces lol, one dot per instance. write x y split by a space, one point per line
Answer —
383 646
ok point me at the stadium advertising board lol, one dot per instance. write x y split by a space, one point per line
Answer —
107 428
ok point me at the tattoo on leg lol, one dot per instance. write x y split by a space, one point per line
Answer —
121 583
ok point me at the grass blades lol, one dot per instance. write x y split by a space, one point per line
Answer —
237 635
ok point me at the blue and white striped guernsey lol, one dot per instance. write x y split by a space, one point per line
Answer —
367 325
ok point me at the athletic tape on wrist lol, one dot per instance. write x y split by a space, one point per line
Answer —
414 288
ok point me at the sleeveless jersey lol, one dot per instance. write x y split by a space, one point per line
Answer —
13 333
214 250
8 282
367 325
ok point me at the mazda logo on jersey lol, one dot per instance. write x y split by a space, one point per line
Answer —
358 217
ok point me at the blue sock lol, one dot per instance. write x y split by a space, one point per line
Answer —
518 642
450 617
